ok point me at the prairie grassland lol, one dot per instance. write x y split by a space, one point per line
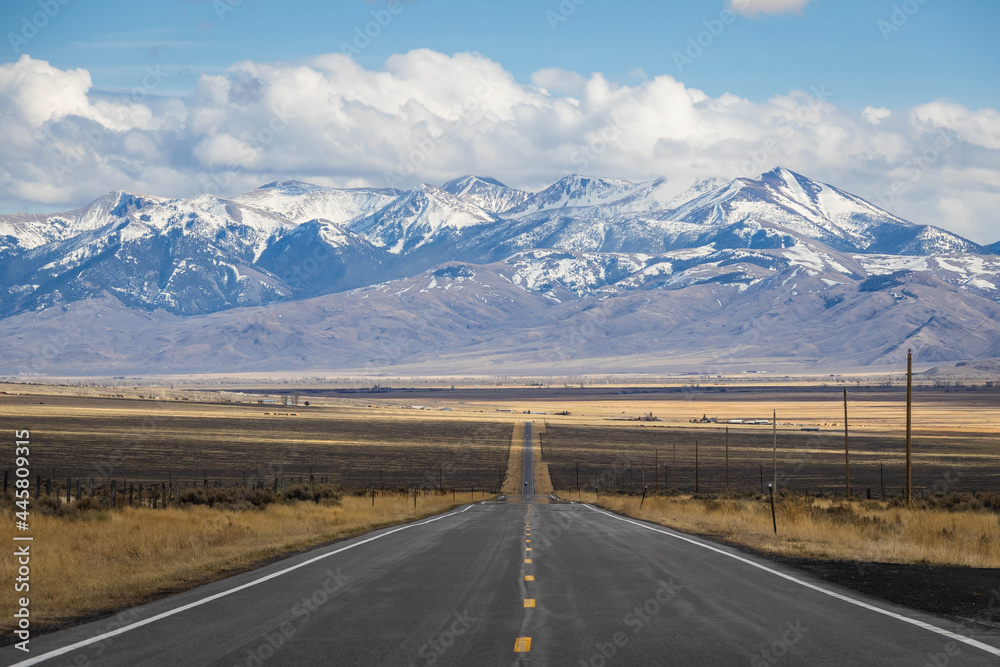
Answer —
540 467
662 457
150 441
874 410
103 561
868 531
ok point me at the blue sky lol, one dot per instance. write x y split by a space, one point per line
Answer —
945 49
894 100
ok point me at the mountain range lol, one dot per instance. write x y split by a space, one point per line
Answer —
586 275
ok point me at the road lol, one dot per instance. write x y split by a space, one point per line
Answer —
518 581
528 472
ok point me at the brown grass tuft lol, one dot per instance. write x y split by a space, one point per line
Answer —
95 561
867 531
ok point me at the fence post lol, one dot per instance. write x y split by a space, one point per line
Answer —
114 492
774 520
69 489
79 489
38 487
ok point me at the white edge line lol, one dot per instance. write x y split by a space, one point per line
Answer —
906 619
197 603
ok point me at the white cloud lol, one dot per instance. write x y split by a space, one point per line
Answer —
428 117
875 115
754 7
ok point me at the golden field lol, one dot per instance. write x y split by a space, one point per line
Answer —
105 561
864 531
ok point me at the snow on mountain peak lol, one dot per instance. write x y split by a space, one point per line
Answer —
574 190
486 193
420 215
299 201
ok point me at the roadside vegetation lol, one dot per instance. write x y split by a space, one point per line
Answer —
959 529
88 561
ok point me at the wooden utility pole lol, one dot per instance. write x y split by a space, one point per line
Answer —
847 450
909 422
774 450
727 459
696 466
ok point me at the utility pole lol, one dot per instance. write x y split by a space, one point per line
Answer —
909 422
847 450
727 459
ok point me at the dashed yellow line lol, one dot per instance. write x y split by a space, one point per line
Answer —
522 645
529 602
528 561
527 548
529 577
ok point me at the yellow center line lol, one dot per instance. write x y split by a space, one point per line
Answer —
529 577
527 548
522 645
529 602
528 561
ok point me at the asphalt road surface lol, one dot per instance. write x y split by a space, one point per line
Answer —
518 581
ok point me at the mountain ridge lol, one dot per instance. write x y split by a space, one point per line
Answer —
761 250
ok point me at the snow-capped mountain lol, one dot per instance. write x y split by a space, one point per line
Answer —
300 201
487 193
778 246
420 217
573 191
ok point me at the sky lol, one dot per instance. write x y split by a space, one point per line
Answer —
895 101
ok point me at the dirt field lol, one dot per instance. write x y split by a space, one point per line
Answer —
463 437
806 461
151 440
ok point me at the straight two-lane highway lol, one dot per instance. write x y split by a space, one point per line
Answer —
519 581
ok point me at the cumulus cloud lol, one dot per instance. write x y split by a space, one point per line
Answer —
428 117
875 115
754 7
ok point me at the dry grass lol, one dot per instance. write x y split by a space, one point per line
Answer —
515 462
112 560
866 531
540 468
